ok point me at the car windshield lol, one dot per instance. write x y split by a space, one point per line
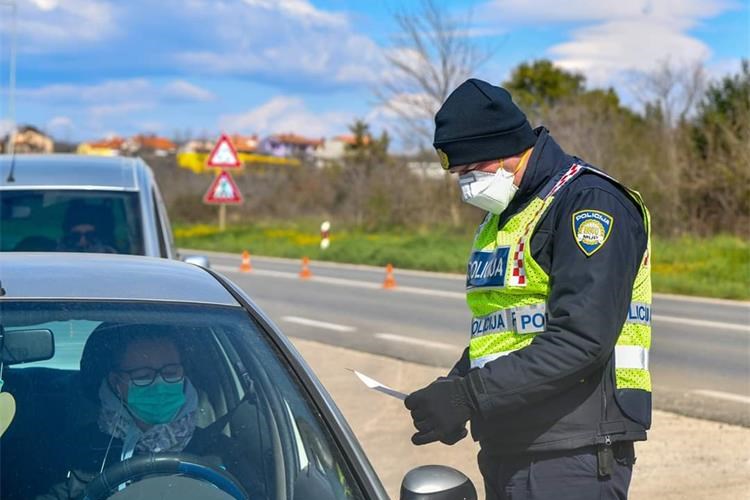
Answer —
140 379
43 220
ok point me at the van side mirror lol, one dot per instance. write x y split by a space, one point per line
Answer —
197 260
25 346
437 482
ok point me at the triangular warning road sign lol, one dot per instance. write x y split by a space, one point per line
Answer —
223 190
224 154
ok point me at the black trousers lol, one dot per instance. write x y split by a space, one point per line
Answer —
563 475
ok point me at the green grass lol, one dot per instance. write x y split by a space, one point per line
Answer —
710 267
438 250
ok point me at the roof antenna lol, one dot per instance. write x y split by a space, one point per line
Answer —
12 91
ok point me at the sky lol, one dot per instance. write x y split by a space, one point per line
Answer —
88 69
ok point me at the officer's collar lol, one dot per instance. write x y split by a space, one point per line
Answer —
546 160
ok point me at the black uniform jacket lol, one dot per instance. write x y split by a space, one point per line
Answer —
558 393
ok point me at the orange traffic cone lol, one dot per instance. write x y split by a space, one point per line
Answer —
390 281
246 266
305 272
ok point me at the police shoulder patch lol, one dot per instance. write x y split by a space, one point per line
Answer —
591 228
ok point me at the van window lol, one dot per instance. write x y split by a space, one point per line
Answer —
70 221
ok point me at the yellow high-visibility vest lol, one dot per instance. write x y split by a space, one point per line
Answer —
507 291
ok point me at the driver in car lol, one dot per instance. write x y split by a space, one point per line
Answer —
82 230
147 404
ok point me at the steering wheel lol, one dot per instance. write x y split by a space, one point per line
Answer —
183 464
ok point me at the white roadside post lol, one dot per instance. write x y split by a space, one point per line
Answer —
325 230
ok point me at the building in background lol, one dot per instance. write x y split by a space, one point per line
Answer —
245 143
289 145
149 144
335 149
28 139
196 146
106 147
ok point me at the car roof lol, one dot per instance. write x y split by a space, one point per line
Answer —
69 171
109 277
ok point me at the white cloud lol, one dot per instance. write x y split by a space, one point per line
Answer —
118 109
605 51
612 39
60 126
722 68
416 105
108 91
300 9
183 90
54 26
5 126
577 11
116 91
286 114
59 123
45 4
288 41
151 127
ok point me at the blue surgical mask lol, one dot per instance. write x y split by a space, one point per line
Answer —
157 403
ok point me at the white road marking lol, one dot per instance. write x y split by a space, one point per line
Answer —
452 276
318 324
419 342
460 295
723 395
704 300
344 282
702 323
328 264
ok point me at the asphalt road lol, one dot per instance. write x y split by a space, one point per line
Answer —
700 357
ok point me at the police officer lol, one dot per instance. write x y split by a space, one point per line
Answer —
555 378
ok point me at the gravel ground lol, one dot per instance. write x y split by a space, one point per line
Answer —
684 458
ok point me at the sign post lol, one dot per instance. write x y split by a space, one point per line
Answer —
223 190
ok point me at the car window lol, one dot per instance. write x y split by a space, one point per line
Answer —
239 407
66 220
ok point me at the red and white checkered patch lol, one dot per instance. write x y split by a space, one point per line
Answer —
572 171
518 274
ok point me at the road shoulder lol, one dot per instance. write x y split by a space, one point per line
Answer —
684 458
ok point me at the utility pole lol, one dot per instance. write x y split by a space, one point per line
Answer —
12 76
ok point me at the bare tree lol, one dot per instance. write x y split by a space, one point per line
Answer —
432 54
673 88
670 94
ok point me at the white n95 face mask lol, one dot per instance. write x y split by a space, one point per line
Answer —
488 191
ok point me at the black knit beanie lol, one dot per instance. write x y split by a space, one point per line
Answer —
479 122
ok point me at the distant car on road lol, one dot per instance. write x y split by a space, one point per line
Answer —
77 203
247 391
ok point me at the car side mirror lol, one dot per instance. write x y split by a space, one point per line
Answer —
25 346
197 260
437 482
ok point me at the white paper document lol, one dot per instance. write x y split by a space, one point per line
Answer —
377 386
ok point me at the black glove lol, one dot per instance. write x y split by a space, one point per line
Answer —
455 436
440 411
